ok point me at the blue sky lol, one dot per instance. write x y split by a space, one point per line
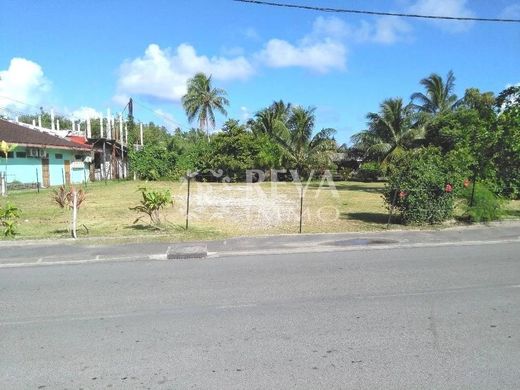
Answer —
82 57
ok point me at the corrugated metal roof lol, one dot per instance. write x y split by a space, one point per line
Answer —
15 133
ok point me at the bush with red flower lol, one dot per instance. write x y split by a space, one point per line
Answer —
421 187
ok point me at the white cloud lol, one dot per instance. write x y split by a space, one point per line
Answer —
162 74
245 113
321 57
23 82
322 50
331 27
84 113
511 11
385 30
390 29
445 8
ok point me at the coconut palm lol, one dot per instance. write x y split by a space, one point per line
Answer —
439 96
302 150
201 100
390 131
271 119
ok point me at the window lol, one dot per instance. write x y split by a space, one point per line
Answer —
58 156
10 154
78 157
21 154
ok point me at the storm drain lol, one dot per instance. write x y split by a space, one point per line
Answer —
361 242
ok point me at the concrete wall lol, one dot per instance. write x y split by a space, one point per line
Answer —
24 170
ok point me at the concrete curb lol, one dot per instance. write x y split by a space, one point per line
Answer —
187 251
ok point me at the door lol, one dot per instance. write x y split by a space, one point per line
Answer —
45 173
67 171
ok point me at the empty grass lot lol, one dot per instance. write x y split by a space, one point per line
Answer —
217 210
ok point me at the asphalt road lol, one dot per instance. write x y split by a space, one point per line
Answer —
403 318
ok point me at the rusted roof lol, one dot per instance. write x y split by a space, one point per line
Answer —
77 139
22 135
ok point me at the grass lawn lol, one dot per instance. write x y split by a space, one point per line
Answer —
217 210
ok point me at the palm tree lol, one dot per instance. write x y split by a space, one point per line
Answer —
390 131
271 119
300 147
439 96
202 99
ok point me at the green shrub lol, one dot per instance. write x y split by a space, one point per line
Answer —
421 187
152 162
369 171
486 205
9 215
151 204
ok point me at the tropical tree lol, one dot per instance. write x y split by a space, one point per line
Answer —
271 119
508 159
390 131
438 97
301 149
201 100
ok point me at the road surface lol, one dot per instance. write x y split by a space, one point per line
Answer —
442 317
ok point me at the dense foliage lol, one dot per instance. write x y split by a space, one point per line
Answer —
421 186
438 139
482 204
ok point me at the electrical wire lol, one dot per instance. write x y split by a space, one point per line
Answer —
378 13
162 116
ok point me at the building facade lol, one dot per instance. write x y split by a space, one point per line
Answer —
37 157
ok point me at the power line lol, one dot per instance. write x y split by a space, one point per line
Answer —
378 13
154 111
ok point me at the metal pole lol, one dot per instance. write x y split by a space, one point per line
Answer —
188 202
74 212
2 184
37 181
104 162
63 176
473 189
301 207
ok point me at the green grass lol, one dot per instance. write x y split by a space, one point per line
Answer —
217 210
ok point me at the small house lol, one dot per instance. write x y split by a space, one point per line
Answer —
40 157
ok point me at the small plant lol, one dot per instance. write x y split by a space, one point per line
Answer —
486 205
152 204
71 199
64 197
8 218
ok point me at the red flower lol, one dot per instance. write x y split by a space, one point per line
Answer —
402 194
466 183
448 188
